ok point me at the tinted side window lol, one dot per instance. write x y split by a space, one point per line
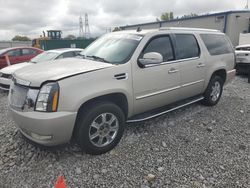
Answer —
161 45
216 44
28 52
68 54
14 53
187 46
32 52
77 53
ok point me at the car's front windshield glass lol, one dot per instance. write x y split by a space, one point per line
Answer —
45 56
113 48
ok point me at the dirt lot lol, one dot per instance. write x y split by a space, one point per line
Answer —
193 147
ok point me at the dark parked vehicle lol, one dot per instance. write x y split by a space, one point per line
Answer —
17 55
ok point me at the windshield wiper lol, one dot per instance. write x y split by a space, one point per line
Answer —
98 58
80 55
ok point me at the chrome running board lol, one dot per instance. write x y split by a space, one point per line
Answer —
163 110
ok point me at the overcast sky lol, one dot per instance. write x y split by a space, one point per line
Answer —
31 17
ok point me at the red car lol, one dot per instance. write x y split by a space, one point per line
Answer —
17 55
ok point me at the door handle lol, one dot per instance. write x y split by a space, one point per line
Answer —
173 70
201 65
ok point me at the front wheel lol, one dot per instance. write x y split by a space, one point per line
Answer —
100 128
213 92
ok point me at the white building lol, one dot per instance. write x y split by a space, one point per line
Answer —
231 22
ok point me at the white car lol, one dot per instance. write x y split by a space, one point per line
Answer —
242 58
6 73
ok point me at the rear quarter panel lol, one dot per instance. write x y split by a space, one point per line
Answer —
216 62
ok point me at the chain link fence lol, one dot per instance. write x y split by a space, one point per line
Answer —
9 44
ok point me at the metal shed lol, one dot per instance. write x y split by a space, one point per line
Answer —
231 22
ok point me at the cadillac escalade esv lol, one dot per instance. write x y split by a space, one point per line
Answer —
125 76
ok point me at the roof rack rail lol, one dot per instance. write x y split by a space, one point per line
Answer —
187 28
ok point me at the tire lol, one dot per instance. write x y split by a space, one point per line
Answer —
214 91
102 121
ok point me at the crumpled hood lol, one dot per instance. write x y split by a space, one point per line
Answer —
39 73
12 68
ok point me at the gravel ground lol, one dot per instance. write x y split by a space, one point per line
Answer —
196 146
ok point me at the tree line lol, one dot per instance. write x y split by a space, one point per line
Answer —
25 38
166 16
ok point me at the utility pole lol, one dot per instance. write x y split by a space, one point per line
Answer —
246 7
87 30
108 29
80 27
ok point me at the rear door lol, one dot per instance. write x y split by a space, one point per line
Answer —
192 65
27 54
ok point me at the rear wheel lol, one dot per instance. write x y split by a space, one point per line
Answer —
213 92
100 128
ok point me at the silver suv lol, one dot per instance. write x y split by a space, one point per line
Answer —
126 76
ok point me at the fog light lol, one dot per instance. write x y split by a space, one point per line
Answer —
40 137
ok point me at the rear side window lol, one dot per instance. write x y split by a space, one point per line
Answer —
28 52
217 44
67 55
187 46
161 45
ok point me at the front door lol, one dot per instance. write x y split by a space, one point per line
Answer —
159 84
14 56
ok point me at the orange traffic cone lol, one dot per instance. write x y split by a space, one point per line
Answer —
60 183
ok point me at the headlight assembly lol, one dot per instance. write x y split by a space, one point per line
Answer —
10 76
48 97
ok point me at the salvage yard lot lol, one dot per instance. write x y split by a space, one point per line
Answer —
196 146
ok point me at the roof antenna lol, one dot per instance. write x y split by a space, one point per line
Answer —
138 29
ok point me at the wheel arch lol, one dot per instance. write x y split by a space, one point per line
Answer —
118 98
220 72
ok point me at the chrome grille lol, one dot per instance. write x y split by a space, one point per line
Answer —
18 96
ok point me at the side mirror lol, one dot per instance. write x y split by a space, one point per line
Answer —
151 58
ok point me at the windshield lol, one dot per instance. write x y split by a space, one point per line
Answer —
45 56
113 48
